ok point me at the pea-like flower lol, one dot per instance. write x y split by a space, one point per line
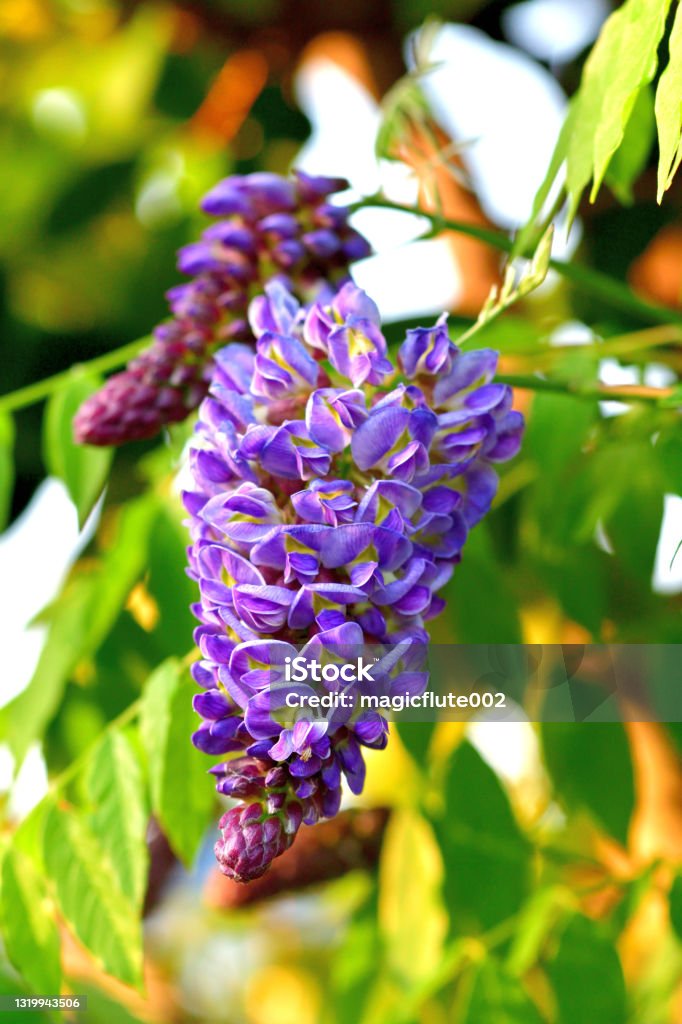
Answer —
270 228
332 500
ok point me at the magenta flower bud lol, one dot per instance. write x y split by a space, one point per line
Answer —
251 839
270 221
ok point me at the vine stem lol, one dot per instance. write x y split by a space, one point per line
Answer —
33 393
588 389
590 281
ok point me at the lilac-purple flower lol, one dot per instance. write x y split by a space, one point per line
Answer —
331 503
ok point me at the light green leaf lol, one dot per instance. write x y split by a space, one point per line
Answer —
90 897
114 784
181 790
587 976
590 765
30 932
82 468
622 60
668 109
487 865
413 926
631 157
78 623
6 465
494 995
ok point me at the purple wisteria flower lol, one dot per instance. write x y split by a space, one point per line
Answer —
332 499
269 228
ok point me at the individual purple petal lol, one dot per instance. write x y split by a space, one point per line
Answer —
375 438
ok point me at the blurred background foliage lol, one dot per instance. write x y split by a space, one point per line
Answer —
513 873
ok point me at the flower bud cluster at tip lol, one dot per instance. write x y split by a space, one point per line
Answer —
332 496
268 228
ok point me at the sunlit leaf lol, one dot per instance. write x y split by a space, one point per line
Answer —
82 468
30 932
669 110
90 897
413 926
622 61
119 818
181 790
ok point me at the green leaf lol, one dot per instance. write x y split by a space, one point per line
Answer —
181 790
668 107
79 621
168 584
631 157
591 768
536 923
6 465
622 61
82 468
114 784
416 738
676 905
494 995
30 932
476 618
634 526
413 927
90 897
587 976
485 853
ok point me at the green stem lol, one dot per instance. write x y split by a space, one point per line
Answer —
586 389
33 393
591 281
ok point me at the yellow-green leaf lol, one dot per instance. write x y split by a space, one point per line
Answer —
668 109
119 819
29 929
90 896
411 916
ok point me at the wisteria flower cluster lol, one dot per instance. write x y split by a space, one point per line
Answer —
333 494
267 228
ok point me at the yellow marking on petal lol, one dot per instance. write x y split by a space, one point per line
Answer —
359 344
